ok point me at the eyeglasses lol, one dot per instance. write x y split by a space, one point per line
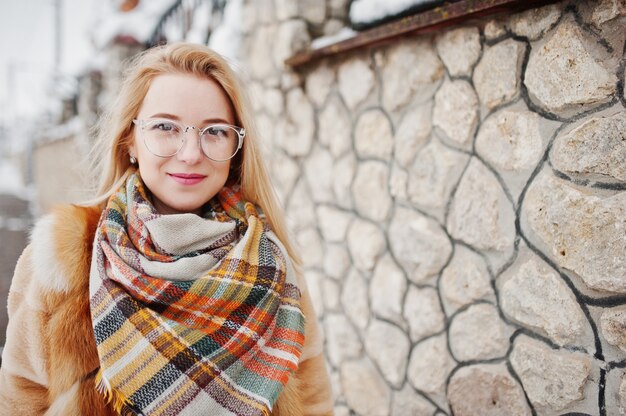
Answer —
165 138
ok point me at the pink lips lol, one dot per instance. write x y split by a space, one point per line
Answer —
187 178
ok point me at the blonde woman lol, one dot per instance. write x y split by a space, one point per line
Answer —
179 292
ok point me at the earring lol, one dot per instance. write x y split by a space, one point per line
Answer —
133 160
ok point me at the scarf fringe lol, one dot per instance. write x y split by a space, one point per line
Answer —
111 396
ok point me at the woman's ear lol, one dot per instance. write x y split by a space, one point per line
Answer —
132 153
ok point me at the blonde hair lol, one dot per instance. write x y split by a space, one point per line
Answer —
115 127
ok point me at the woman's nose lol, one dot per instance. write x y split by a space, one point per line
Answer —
191 152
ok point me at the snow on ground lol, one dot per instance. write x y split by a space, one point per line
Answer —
367 11
343 34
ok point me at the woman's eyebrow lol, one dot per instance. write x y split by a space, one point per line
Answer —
165 115
215 120
176 118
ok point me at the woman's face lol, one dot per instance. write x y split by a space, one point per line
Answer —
186 181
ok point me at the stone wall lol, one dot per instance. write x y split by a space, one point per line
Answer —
460 204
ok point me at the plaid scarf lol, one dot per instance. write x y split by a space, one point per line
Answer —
192 315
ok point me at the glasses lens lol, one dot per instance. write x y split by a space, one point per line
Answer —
219 141
163 138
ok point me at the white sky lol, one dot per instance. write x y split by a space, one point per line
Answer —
27 45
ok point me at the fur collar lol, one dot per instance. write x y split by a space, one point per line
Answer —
62 243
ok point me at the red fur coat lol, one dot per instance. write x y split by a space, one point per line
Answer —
50 358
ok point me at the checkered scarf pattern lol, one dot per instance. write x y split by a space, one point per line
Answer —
192 315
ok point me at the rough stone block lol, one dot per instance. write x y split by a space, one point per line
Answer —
433 175
552 379
371 190
533 23
339 8
373 137
456 112
333 27
342 340
289 79
607 10
366 243
598 147
423 312
613 324
511 140
314 285
564 77
356 81
318 168
536 297
398 183
292 37
465 280
336 261
256 94
335 127
313 11
494 29
389 347
585 233
286 9
331 293
365 390
285 172
333 223
342 410
468 343
486 390
418 243
273 102
387 289
311 248
296 130
319 83
407 402
497 76
480 213
459 50
343 174
430 365
412 133
622 395
261 66
354 299
410 70
300 208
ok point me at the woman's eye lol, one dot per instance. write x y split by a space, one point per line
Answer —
217 131
165 127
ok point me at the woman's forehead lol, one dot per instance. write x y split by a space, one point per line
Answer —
187 97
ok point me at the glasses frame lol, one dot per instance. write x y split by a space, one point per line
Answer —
241 134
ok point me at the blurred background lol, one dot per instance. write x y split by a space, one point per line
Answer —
453 173
45 47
